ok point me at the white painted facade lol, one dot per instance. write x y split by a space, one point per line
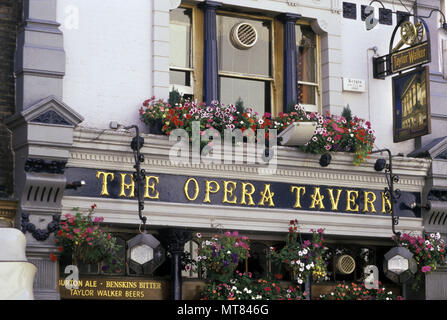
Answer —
117 56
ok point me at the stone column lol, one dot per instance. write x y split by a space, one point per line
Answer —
42 132
210 60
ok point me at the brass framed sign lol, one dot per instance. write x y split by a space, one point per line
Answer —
118 288
411 105
410 57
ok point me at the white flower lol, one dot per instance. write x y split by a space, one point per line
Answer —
301 269
204 257
261 121
233 288
300 253
198 258
299 281
427 242
432 235
308 267
305 251
438 235
292 262
228 252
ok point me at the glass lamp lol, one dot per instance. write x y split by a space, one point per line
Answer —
399 265
145 253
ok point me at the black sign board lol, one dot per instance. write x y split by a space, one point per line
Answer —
211 191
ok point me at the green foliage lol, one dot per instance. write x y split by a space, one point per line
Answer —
81 236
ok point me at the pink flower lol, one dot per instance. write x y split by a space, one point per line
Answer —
426 269
336 128
235 233
76 230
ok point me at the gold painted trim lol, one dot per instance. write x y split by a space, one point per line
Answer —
8 211
272 52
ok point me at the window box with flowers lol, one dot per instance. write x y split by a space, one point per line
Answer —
81 237
333 134
353 291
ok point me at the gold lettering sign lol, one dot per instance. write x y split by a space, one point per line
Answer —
242 193
410 57
113 288
105 175
298 195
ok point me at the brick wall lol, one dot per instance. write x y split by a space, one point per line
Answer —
10 14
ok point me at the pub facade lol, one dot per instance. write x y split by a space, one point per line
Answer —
83 71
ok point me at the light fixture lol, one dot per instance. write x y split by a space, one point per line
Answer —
297 133
75 185
380 164
325 159
399 265
145 253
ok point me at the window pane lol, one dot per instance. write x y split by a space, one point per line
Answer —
253 93
179 77
306 54
254 60
307 94
180 37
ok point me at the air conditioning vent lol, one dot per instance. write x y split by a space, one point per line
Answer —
345 264
244 35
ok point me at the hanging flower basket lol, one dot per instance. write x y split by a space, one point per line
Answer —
81 236
304 259
220 256
428 251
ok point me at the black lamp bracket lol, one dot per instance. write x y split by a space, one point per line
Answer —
444 23
389 192
140 174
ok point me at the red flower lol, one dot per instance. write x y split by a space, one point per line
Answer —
60 249
267 289
53 257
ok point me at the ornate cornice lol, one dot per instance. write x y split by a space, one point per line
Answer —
98 149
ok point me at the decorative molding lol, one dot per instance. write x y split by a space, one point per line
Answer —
162 214
336 6
349 10
47 166
51 117
39 234
113 151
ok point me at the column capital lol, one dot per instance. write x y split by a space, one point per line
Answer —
210 5
289 17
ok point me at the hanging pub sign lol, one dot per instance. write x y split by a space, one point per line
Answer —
411 104
411 88
412 50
